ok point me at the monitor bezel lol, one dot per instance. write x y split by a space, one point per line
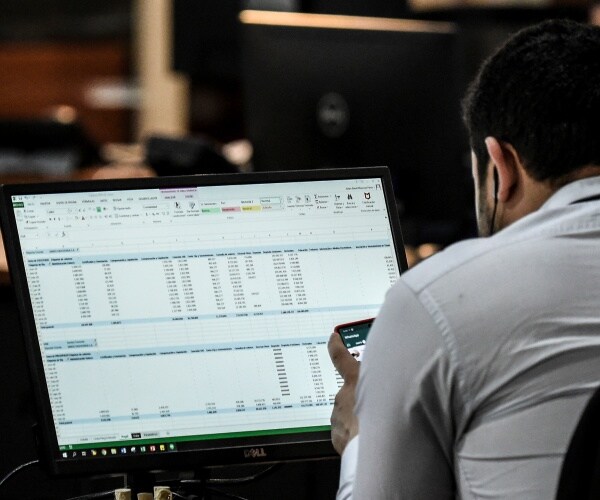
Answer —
283 447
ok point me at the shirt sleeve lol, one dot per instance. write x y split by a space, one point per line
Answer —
348 469
405 399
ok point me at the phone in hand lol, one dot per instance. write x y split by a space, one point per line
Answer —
354 336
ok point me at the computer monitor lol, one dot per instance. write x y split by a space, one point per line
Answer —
44 148
180 322
332 91
206 42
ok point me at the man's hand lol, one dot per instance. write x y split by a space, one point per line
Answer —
344 424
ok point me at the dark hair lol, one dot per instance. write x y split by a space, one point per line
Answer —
540 92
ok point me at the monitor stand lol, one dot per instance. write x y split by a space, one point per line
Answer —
140 482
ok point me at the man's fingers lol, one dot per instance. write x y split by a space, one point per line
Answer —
343 361
344 424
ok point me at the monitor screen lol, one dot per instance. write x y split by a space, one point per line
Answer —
178 322
345 91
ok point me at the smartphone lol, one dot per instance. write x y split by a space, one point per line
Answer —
354 336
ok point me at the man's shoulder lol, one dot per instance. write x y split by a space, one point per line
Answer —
555 235
472 259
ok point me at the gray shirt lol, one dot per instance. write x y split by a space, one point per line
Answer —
480 362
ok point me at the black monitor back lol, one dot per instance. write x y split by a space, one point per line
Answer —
321 94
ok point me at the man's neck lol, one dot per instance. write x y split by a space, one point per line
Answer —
580 173
532 194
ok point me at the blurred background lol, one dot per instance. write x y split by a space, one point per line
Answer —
126 88
182 86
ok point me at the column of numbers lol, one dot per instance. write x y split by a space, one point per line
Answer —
235 279
282 280
81 293
316 376
215 278
35 291
390 266
54 392
111 293
172 287
298 288
189 299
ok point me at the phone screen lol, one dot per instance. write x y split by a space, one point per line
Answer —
354 336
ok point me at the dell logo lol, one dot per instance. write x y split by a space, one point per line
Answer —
333 115
255 453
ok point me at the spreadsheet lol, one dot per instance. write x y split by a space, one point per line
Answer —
199 311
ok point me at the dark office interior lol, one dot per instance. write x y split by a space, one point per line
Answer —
120 89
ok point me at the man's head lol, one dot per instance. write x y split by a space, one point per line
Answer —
536 102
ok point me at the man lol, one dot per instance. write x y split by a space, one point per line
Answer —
482 357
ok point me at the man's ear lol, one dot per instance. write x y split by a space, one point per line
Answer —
505 161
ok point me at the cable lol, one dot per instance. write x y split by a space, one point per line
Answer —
18 469
212 491
222 493
206 485
234 480
217 481
92 496
104 494
492 223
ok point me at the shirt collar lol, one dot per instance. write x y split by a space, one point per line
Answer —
573 192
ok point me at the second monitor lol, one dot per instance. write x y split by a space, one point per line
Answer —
330 91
